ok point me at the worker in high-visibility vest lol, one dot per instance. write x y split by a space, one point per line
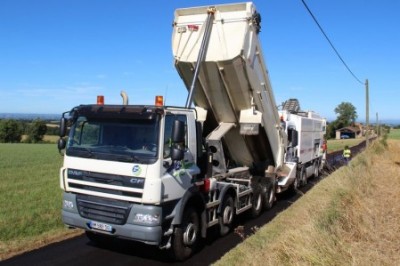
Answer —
347 153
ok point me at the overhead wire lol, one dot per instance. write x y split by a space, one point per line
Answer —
329 41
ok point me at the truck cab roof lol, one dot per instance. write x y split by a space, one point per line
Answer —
120 111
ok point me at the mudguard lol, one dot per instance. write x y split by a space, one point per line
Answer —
195 198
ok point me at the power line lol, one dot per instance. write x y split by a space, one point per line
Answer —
333 47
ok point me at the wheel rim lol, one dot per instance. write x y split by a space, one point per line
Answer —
271 197
258 202
316 171
189 236
227 215
303 177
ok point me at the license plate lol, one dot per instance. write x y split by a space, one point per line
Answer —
100 226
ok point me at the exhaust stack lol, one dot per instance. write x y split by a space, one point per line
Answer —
125 100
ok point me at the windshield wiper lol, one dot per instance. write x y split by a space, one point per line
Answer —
81 151
129 158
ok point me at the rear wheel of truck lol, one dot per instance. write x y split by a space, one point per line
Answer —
294 187
227 215
296 182
269 195
303 177
186 236
256 200
316 168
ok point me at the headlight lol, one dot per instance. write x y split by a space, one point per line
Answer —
150 219
67 204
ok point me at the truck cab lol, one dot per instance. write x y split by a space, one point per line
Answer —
122 174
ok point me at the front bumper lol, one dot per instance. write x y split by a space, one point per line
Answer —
151 235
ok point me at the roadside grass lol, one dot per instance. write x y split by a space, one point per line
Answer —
351 217
338 144
30 197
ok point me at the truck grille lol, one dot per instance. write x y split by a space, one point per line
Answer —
126 188
102 210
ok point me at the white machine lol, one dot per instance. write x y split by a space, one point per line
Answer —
306 134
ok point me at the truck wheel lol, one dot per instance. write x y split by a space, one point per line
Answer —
256 200
269 196
303 177
227 215
186 235
316 168
294 187
296 182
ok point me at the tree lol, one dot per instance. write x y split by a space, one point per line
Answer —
331 130
10 131
347 114
36 131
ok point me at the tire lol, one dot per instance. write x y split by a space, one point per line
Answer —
294 187
316 169
269 195
297 182
303 177
186 236
227 215
256 200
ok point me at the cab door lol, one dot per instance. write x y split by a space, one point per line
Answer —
178 176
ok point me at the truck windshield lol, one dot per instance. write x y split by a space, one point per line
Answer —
124 140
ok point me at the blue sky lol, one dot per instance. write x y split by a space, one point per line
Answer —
58 54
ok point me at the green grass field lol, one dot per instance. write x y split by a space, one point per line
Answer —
338 144
30 196
394 134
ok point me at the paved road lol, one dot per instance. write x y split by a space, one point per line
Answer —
80 251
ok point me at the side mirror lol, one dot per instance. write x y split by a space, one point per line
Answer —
178 132
177 154
63 127
61 144
178 138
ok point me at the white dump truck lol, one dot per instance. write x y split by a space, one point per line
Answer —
163 175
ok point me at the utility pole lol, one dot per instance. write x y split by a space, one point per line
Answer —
377 125
367 113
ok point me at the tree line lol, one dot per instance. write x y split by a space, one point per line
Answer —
12 131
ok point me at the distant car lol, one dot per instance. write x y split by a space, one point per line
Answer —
344 137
